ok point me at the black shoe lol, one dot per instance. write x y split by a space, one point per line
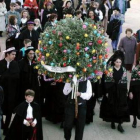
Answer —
120 128
134 125
113 125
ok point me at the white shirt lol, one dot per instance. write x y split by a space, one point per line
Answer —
30 62
8 64
30 33
24 20
99 13
29 114
85 96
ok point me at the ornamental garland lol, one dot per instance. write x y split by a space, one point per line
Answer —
109 75
80 45
136 73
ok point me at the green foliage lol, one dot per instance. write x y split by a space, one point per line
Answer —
73 43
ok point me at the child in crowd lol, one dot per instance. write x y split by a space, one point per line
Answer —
27 43
27 123
24 18
37 26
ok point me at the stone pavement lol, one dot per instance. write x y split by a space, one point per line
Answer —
99 130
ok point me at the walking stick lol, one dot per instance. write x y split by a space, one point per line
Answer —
74 94
76 100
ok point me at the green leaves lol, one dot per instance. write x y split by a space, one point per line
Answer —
73 41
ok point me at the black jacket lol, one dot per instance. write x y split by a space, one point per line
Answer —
113 29
9 79
26 35
18 129
1 99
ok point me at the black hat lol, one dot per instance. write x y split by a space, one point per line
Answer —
29 48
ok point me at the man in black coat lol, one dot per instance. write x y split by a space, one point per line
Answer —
31 34
29 75
9 79
27 123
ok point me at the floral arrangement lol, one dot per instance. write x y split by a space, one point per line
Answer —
72 43
109 75
136 73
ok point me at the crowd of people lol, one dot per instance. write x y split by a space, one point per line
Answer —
30 96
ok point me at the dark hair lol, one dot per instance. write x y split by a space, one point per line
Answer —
103 1
115 58
9 52
117 9
128 30
89 12
67 2
78 12
19 3
28 50
117 54
29 92
52 16
12 20
1 0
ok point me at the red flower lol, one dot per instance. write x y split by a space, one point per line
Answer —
38 59
53 31
44 48
60 44
96 71
106 55
77 47
99 41
89 65
106 72
64 64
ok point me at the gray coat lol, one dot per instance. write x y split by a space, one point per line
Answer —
128 47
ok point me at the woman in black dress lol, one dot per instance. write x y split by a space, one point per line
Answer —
134 94
114 107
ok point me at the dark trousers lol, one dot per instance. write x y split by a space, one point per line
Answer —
28 133
7 121
69 120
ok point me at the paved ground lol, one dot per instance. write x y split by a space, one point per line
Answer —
99 130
